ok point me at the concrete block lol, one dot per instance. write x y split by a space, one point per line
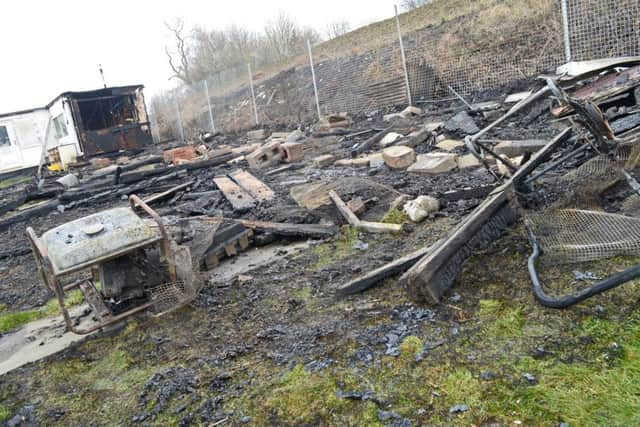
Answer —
324 160
375 160
399 157
411 111
434 163
468 161
293 152
362 162
449 144
295 136
392 116
265 156
187 152
517 97
519 148
100 162
503 169
258 135
389 139
433 126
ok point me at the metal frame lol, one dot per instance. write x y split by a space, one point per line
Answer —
53 280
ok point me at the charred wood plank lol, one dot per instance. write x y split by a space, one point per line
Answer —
367 144
239 199
252 185
36 211
171 191
392 268
352 219
315 231
216 161
131 177
415 138
19 251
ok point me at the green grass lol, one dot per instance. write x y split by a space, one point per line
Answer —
5 413
339 248
13 320
396 216
300 398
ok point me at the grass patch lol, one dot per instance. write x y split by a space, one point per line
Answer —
5 413
502 322
300 398
395 216
303 294
11 321
341 247
110 382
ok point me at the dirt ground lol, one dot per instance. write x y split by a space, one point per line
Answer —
280 348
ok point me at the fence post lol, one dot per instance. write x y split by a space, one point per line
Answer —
313 77
206 90
565 27
404 60
253 95
180 128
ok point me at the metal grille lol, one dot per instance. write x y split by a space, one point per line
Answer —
470 60
169 296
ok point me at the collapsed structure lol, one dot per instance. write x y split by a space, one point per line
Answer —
571 188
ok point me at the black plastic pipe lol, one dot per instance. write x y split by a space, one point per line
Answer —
569 300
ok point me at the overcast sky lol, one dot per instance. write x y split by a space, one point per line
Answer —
49 47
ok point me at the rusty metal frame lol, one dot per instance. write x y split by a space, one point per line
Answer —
52 280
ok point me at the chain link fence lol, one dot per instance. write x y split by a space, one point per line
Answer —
603 28
465 46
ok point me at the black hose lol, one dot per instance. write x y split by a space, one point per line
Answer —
569 300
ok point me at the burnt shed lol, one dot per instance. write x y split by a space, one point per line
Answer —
110 119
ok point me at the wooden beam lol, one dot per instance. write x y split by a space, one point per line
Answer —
394 267
318 231
371 227
169 192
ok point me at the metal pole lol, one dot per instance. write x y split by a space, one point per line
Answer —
565 26
180 128
253 95
404 60
313 76
206 89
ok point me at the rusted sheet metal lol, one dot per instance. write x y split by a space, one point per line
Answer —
126 137
603 88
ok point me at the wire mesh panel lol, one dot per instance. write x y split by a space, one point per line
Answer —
574 235
603 28
496 43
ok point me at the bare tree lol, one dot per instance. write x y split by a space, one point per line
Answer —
179 60
282 35
337 29
413 4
